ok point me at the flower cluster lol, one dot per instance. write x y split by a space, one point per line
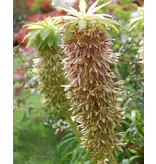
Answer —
93 91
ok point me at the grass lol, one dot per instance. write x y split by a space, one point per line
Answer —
32 144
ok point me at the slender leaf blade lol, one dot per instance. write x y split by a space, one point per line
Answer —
82 24
69 11
44 33
92 6
82 6
98 7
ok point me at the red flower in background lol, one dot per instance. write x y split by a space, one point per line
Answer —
33 18
19 36
91 2
19 74
76 5
18 91
140 2
45 5
15 29
26 50
58 137
37 17
30 2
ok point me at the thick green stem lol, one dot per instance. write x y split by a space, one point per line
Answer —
73 127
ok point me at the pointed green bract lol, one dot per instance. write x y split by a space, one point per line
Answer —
82 24
138 20
93 6
93 10
82 6
141 10
43 33
89 17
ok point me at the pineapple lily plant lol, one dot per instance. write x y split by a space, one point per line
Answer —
46 41
93 89
45 38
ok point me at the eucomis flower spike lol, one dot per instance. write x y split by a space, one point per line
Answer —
93 90
46 40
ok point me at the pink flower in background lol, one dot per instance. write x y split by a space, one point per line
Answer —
61 128
18 75
45 5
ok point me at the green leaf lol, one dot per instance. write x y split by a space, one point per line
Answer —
82 24
68 17
24 119
50 41
14 108
32 36
82 157
75 13
98 7
134 20
134 157
68 32
133 116
64 142
108 24
128 116
62 160
82 6
107 15
17 84
56 131
126 2
75 153
114 28
125 161
34 26
15 49
69 145
132 151
141 10
26 36
44 33
58 41
68 36
38 42
92 6
29 43
30 110
68 135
